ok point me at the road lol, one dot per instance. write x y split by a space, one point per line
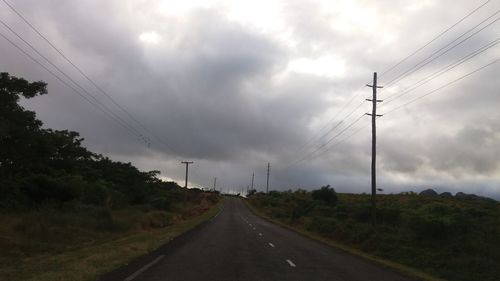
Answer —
237 245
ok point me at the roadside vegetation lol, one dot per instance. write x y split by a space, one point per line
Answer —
447 237
67 213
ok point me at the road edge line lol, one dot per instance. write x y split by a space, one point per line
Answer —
144 268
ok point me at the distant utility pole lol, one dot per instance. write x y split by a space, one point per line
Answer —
215 183
253 174
374 116
268 171
187 165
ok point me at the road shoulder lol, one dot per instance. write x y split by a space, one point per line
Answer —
138 264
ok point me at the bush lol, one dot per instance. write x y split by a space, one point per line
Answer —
301 208
389 215
325 194
156 219
94 194
41 188
323 225
161 204
437 222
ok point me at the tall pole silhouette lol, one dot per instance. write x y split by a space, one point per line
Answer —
268 171
374 116
187 171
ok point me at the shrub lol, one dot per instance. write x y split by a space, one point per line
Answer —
94 194
325 194
42 188
389 215
322 225
161 203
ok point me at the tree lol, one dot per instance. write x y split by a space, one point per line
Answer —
325 194
25 147
39 165
19 129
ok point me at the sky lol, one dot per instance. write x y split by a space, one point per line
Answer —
234 85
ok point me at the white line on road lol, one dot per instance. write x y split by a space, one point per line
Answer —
144 268
260 234
271 244
291 263
220 211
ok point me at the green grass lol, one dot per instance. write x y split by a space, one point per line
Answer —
51 246
449 238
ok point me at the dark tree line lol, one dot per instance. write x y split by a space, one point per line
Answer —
45 166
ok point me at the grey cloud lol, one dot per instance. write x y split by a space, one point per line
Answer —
212 91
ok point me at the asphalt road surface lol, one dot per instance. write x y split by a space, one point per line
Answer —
237 245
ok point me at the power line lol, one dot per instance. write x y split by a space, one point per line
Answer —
311 155
348 137
159 139
338 124
414 100
71 79
406 74
312 139
442 71
394 109
433 39
431 58
96 102
125 123
68 85
442 87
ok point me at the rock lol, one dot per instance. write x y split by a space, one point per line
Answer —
468 196
428 192
446 194
460 195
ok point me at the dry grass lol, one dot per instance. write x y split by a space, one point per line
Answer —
94 257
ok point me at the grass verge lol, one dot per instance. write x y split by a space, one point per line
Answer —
406 270
88 261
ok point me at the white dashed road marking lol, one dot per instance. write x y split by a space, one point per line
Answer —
144 268
271 244
260 234
291 263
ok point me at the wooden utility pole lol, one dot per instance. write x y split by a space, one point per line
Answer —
215 183
253 174
268 171
187 165
374 116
